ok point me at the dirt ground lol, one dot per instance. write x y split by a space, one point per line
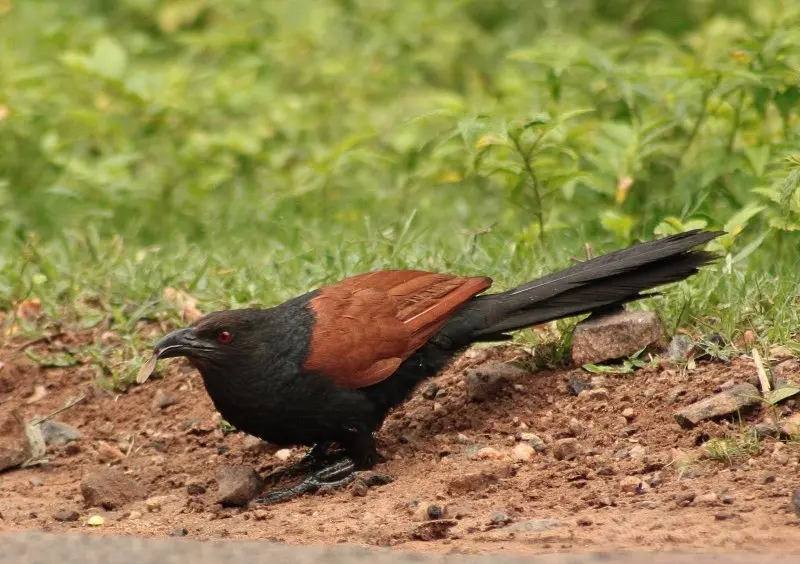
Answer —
637 480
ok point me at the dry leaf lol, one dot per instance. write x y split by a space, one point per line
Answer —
186 303
146 370
38 393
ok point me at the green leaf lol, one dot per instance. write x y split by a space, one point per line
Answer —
740 218
109 58
781 394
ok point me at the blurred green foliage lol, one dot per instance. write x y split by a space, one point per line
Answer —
248 150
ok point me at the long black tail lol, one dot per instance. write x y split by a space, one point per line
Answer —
599 283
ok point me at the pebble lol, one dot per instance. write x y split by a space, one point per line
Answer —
686 498
707 499
430 391
485 381
791 427
796 501
768 479
134 515
237 485
14 447
283 454
253 444
57 433
66 516
628 413
534 440
576 428
637 452
461 438
576 385
680 348
779 453
598 394
178 532
488 453
523 452
630 484
107 453
163 399
763 430
110 489
584 522
500 519
195 489
567 449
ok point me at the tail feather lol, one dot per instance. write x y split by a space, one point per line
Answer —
606 281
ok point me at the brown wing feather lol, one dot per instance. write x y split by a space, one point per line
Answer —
368 324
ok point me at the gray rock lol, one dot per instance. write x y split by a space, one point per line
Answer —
57 433
577 384
484 381
500 519
535 526
614 336
724 404
66 516
680 347
237 485
110 489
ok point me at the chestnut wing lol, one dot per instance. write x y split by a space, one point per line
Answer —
368 324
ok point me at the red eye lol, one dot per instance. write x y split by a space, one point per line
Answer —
224 337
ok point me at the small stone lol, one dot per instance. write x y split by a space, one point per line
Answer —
707 499
500 519
535 526
680 347
630 484
779 453
72 449
253 444
523 452
283 454
675 394
486 380
685 498
584 522
727 499
628 413
178 532
66 516
461 438
576 428
616 335
637 452
110 489
598 394
237 485
796 501
430 391
567 449
135 515
107 453
763 430
656 479
791 427
577 384
36 481
195 489
57 433
360 489
14 446
533 440
488 453
457 511
153 505
435 512
722 516
163 399
95 521
724 404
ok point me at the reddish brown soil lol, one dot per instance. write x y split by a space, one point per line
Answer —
431 446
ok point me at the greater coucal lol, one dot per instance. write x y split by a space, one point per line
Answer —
328 366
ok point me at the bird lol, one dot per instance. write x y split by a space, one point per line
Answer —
326 368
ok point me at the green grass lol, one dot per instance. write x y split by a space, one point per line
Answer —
247 151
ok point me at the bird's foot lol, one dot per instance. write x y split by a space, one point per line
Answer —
336 475
314 458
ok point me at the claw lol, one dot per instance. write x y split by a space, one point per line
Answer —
334 476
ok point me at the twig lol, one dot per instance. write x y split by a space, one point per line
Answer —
70 403
762 374
38 340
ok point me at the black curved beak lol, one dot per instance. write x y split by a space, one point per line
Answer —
182 342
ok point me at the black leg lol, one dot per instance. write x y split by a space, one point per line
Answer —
315 457
334 476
